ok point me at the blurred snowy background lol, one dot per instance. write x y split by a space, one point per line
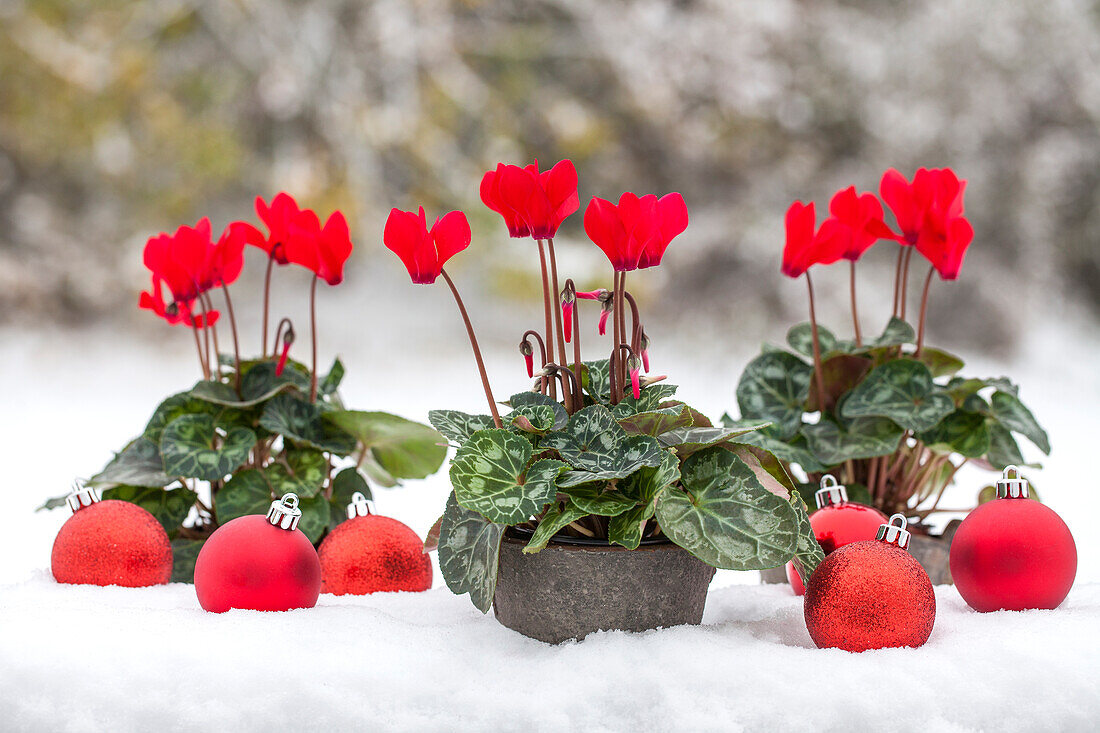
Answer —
121 118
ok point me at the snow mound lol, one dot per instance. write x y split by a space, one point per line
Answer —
80 658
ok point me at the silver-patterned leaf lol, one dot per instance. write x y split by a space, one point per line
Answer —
469 553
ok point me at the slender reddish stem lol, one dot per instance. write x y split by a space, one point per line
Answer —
620 313
567 391
542 353
233 326
897 279
817 346
267 300
313 337
905 280
198 348
635 322
578 403
546 309
475 347
208 306
613 364
923 310
855 310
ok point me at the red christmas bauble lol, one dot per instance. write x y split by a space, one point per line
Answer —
367 554
254 564
870 595
110 543
1013 553
836 523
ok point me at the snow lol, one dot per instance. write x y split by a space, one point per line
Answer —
81 658
88 659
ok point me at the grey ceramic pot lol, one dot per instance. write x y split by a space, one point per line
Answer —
570 590
932 551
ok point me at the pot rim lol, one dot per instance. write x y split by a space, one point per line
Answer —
518 535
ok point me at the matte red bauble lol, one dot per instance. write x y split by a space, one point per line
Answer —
110 543
837 522
369 553
259 563
871 594
1013 553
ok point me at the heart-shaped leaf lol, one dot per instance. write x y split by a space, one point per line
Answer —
469 552
960 432
801 339
658 421
248 492
626 528
594 443
1003 449
726 517
896 333
490 475
555 519
1011 413
296 418
259 383
535 419
176 406
138 464
405 449
647 483
331 381
458 426
863 437
774 387
791 450
524 401
903 391
191 447
169 506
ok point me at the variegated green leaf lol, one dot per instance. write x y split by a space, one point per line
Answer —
1011 413
138 464
191 447
458 426
863 437
726 517
469 553
658 421
490 475
960 432
903 391
595 444
555 519
774 387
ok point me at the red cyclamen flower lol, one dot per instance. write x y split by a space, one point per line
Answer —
635 233
635 366
858 222
532 204
804 246
930 216
323 251
280 216
424 251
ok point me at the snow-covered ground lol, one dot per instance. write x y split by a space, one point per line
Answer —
76 658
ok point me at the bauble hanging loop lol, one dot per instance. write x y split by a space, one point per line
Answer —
1012 488
895 534
82 496
830 492
284 513
359 507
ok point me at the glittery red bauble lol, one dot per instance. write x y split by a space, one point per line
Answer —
837 525
250 563
112 543
1013 554
371 553
870 595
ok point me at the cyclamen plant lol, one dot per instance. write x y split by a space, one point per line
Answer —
608 461
888 416
252 430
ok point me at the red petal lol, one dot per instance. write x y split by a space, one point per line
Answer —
334 247
604 227
451 235
406 236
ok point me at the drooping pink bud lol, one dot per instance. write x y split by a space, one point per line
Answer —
528 357
635 378
567 315
644 349
591 294
288 339
603 321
